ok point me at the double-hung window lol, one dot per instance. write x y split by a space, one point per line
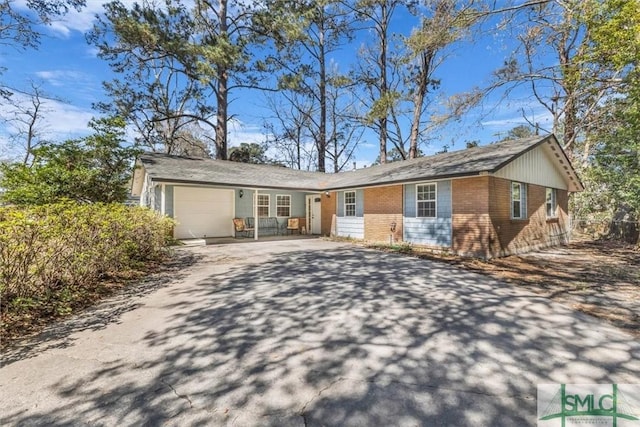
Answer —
283 205
518 200
263 205
349 203
551 203
426 200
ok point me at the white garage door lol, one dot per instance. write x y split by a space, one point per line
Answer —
203 212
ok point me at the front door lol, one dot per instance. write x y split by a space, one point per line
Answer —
314 220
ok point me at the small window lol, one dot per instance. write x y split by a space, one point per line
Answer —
349 203
283 205
426 200
263 205
552 211
518 200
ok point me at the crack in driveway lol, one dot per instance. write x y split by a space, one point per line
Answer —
181 396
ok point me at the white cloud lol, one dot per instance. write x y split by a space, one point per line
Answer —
240 132
83 20
507 115
60 78
80 21
504 123
92 52
60 121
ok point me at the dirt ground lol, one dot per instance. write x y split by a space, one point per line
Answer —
600 278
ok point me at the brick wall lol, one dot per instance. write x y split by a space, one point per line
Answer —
473 232
481 217
328 210
482 224
383 206
536 231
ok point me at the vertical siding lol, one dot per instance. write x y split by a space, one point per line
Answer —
428 231
340 207
535 167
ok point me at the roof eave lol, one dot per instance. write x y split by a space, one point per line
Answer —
235 185
407 180
579 185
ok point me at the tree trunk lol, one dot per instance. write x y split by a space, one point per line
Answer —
418 101
570 123
384 89
222 95
322 134
298 144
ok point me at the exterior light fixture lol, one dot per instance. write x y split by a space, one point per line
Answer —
326 193
241 193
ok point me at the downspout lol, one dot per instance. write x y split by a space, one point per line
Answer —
255 214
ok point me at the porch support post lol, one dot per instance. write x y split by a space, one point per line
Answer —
162 199
255 214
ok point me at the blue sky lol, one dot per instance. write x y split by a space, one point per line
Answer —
71 74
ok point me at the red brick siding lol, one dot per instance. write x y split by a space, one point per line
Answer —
473 232
383 206
482 224
536 230
327 211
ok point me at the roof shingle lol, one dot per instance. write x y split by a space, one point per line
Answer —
472 161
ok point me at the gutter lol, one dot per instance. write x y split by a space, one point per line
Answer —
321 188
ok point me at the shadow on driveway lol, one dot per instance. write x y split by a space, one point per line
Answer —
340 337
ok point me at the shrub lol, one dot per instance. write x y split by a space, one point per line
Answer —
60 248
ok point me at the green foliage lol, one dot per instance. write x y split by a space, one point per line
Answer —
614 26
616 163
177 62
517 132
611 167
92 169
472 144
54 254
382 106
400 247
249 153
18 26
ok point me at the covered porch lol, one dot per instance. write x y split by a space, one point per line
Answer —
213 212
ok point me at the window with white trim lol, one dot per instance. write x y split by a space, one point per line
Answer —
552 204
283 205
349 203
518 200
263 205
426 196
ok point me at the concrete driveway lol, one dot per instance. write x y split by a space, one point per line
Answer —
310 333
